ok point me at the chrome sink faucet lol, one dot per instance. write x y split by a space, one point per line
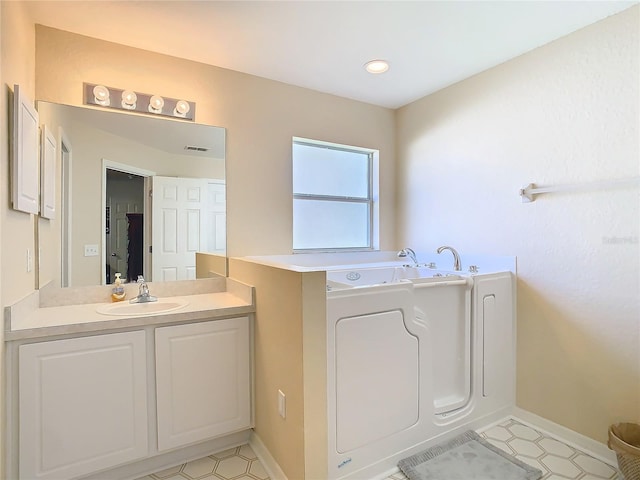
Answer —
408 252
143 292
456 258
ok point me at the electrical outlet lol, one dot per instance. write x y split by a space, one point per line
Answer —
282 408
91 250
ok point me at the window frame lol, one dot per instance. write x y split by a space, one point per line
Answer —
372 200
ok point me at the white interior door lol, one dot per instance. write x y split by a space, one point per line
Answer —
179 226
119 237
217 221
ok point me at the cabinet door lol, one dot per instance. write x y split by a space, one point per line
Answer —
25 189
83 405
202 381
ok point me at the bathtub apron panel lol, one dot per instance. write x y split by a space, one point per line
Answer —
370 385
378 377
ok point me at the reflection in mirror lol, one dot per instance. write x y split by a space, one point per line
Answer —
138 196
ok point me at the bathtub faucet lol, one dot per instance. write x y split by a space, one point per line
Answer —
456 258
408 252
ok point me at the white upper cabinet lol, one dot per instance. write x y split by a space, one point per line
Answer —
48 150
25 165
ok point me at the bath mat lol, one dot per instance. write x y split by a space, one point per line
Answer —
466 457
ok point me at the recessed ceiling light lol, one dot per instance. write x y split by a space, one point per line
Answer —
376 66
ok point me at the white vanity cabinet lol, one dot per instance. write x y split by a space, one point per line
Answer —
94 395
118 405
83 404
203 381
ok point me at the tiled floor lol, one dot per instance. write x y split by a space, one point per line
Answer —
238 463
556 460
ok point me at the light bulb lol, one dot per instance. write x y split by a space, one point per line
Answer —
156 103
182 108
101 95
129 99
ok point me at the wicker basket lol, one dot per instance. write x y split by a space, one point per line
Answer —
624 439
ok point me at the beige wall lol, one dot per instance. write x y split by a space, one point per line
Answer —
290 355
210 265
565 113
314 346
18 67
17 60
278 361
261 117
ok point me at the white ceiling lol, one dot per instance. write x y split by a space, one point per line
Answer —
323 45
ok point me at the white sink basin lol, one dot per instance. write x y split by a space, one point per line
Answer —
139 309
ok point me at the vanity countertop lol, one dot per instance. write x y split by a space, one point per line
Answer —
30 320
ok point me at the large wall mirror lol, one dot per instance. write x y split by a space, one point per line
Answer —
138 195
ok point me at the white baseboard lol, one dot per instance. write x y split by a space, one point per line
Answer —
581 442
268 462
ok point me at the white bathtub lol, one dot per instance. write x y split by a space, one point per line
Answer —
413 356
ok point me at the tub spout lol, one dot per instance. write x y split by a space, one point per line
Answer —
456 258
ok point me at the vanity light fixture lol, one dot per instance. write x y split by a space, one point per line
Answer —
376 66
156 103
124 99
182 108
101 95
129 99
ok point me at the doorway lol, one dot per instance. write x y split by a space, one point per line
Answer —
125 221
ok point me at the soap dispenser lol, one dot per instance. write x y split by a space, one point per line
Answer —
118 293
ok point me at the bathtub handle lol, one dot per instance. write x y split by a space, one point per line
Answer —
446 283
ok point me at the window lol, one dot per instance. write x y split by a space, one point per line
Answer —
334 196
